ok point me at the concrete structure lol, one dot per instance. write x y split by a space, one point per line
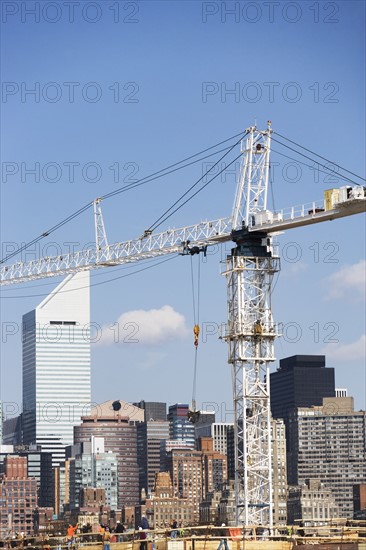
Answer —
56 366
312 502
119 437
209 508
329 444
150 434
179 426
18 498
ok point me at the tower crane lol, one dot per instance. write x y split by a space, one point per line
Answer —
251 331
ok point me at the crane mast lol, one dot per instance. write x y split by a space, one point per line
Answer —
250 336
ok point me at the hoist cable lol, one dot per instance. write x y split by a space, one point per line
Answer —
196 320
316 154
193 293
198 290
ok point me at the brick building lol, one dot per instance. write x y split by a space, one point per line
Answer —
195 473
18 497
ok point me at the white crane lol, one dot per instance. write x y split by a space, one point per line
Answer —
250 268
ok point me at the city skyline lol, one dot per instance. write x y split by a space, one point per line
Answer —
187 321
177 100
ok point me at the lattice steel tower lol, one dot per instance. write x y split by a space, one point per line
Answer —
250 334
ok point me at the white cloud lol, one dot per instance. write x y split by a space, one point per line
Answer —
294 269
349 281
151 360
146 327
346 352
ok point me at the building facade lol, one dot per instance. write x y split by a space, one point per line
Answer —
311 502
150 434
18 500
39 466
56 366
153 410
12 430
300 381
120 437
92 467
279 472
218 431
164 506
359 499
329 444
196 473
179 426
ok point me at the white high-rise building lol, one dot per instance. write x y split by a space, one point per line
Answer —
56 366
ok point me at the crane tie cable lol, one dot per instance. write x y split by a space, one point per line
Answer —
309 158
164 216
142 181
316 154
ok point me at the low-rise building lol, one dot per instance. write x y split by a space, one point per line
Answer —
312 502
164 506
18 500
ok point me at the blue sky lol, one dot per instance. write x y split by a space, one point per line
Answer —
145 85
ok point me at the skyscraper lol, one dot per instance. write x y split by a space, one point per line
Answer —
329 444
179 426
149 436
154 410
300 381
56 366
